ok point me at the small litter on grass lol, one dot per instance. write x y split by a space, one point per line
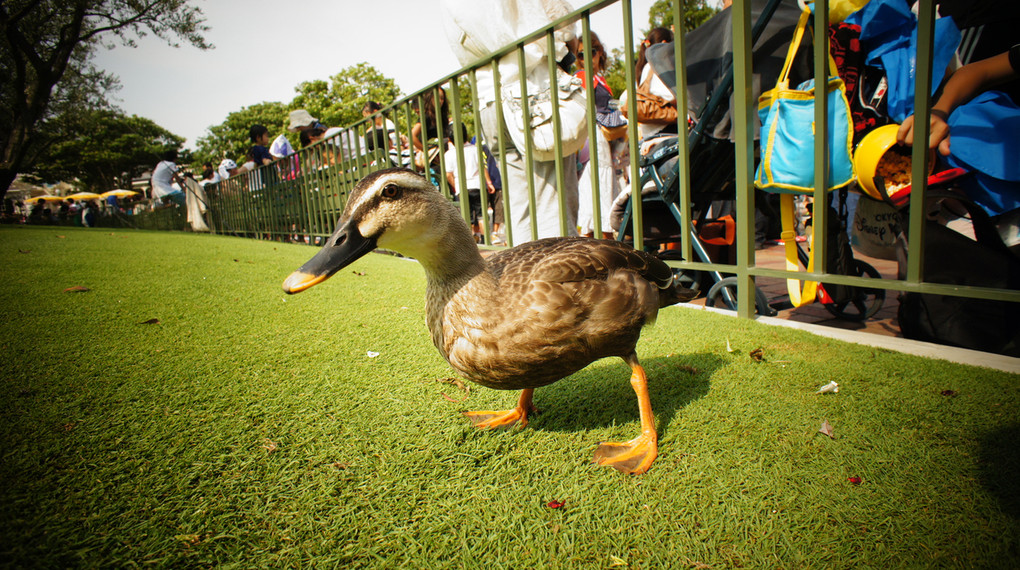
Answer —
61 237
854 480
269 446
359 273
554 504
830 388
758 354
728 347
24 251
949 393
76 289
827 429
372 354
150 322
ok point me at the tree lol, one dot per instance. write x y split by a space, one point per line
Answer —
693 13
230 138
339 102
335 103
110 147
46 48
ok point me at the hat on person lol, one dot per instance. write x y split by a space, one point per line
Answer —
300 119
228 164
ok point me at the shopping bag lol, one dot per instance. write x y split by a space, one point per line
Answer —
788 131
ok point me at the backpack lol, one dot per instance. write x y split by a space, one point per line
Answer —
953 258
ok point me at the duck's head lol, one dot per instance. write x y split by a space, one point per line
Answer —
394 209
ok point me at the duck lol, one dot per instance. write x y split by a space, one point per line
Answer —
519 319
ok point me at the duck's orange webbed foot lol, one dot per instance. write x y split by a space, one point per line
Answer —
634 456
505 418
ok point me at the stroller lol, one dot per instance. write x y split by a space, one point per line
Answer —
711 158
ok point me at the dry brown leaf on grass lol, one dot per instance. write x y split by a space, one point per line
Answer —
456 382
150 322
269 446
758 354
76 289
827 429
24 251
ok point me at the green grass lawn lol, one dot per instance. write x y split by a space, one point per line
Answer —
250 428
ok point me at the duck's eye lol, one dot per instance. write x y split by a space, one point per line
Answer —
391 191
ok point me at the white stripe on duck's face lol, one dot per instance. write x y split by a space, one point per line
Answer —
400 209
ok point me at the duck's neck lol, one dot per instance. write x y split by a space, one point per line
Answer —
454 262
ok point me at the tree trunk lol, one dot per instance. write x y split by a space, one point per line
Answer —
7 176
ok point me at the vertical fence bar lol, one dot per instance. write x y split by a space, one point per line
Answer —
589 92
744 139
554 97
637 215
529 159
501 143
483 165
922 129
820 212
683 148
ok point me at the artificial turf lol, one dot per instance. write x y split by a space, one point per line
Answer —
249 428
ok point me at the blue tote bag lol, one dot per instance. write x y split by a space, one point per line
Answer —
788 131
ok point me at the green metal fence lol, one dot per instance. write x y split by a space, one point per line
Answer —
301 197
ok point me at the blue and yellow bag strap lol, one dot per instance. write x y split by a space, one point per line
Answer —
798 297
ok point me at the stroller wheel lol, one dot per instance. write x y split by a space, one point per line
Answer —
864 302
726 291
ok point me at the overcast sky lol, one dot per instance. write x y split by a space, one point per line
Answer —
257 59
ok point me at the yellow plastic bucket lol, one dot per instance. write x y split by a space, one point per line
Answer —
870 154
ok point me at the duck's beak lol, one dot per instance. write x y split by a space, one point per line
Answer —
344 247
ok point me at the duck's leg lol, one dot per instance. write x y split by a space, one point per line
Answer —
634 456
505 418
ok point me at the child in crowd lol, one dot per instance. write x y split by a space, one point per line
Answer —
259 153
470 186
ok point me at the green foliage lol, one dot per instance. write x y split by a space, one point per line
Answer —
616 71
335 103
230 138
695 12
109 148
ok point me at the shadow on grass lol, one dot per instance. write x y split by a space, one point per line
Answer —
999 467
601 395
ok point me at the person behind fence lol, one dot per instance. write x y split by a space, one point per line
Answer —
227 169
650 87
382 133
986 122
435 127
611 132
470 185
476 29
259 152
163 178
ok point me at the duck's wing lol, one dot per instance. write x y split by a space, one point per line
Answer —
572 260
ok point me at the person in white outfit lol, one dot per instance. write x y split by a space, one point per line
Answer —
475 29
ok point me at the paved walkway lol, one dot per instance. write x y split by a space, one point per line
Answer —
882 330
